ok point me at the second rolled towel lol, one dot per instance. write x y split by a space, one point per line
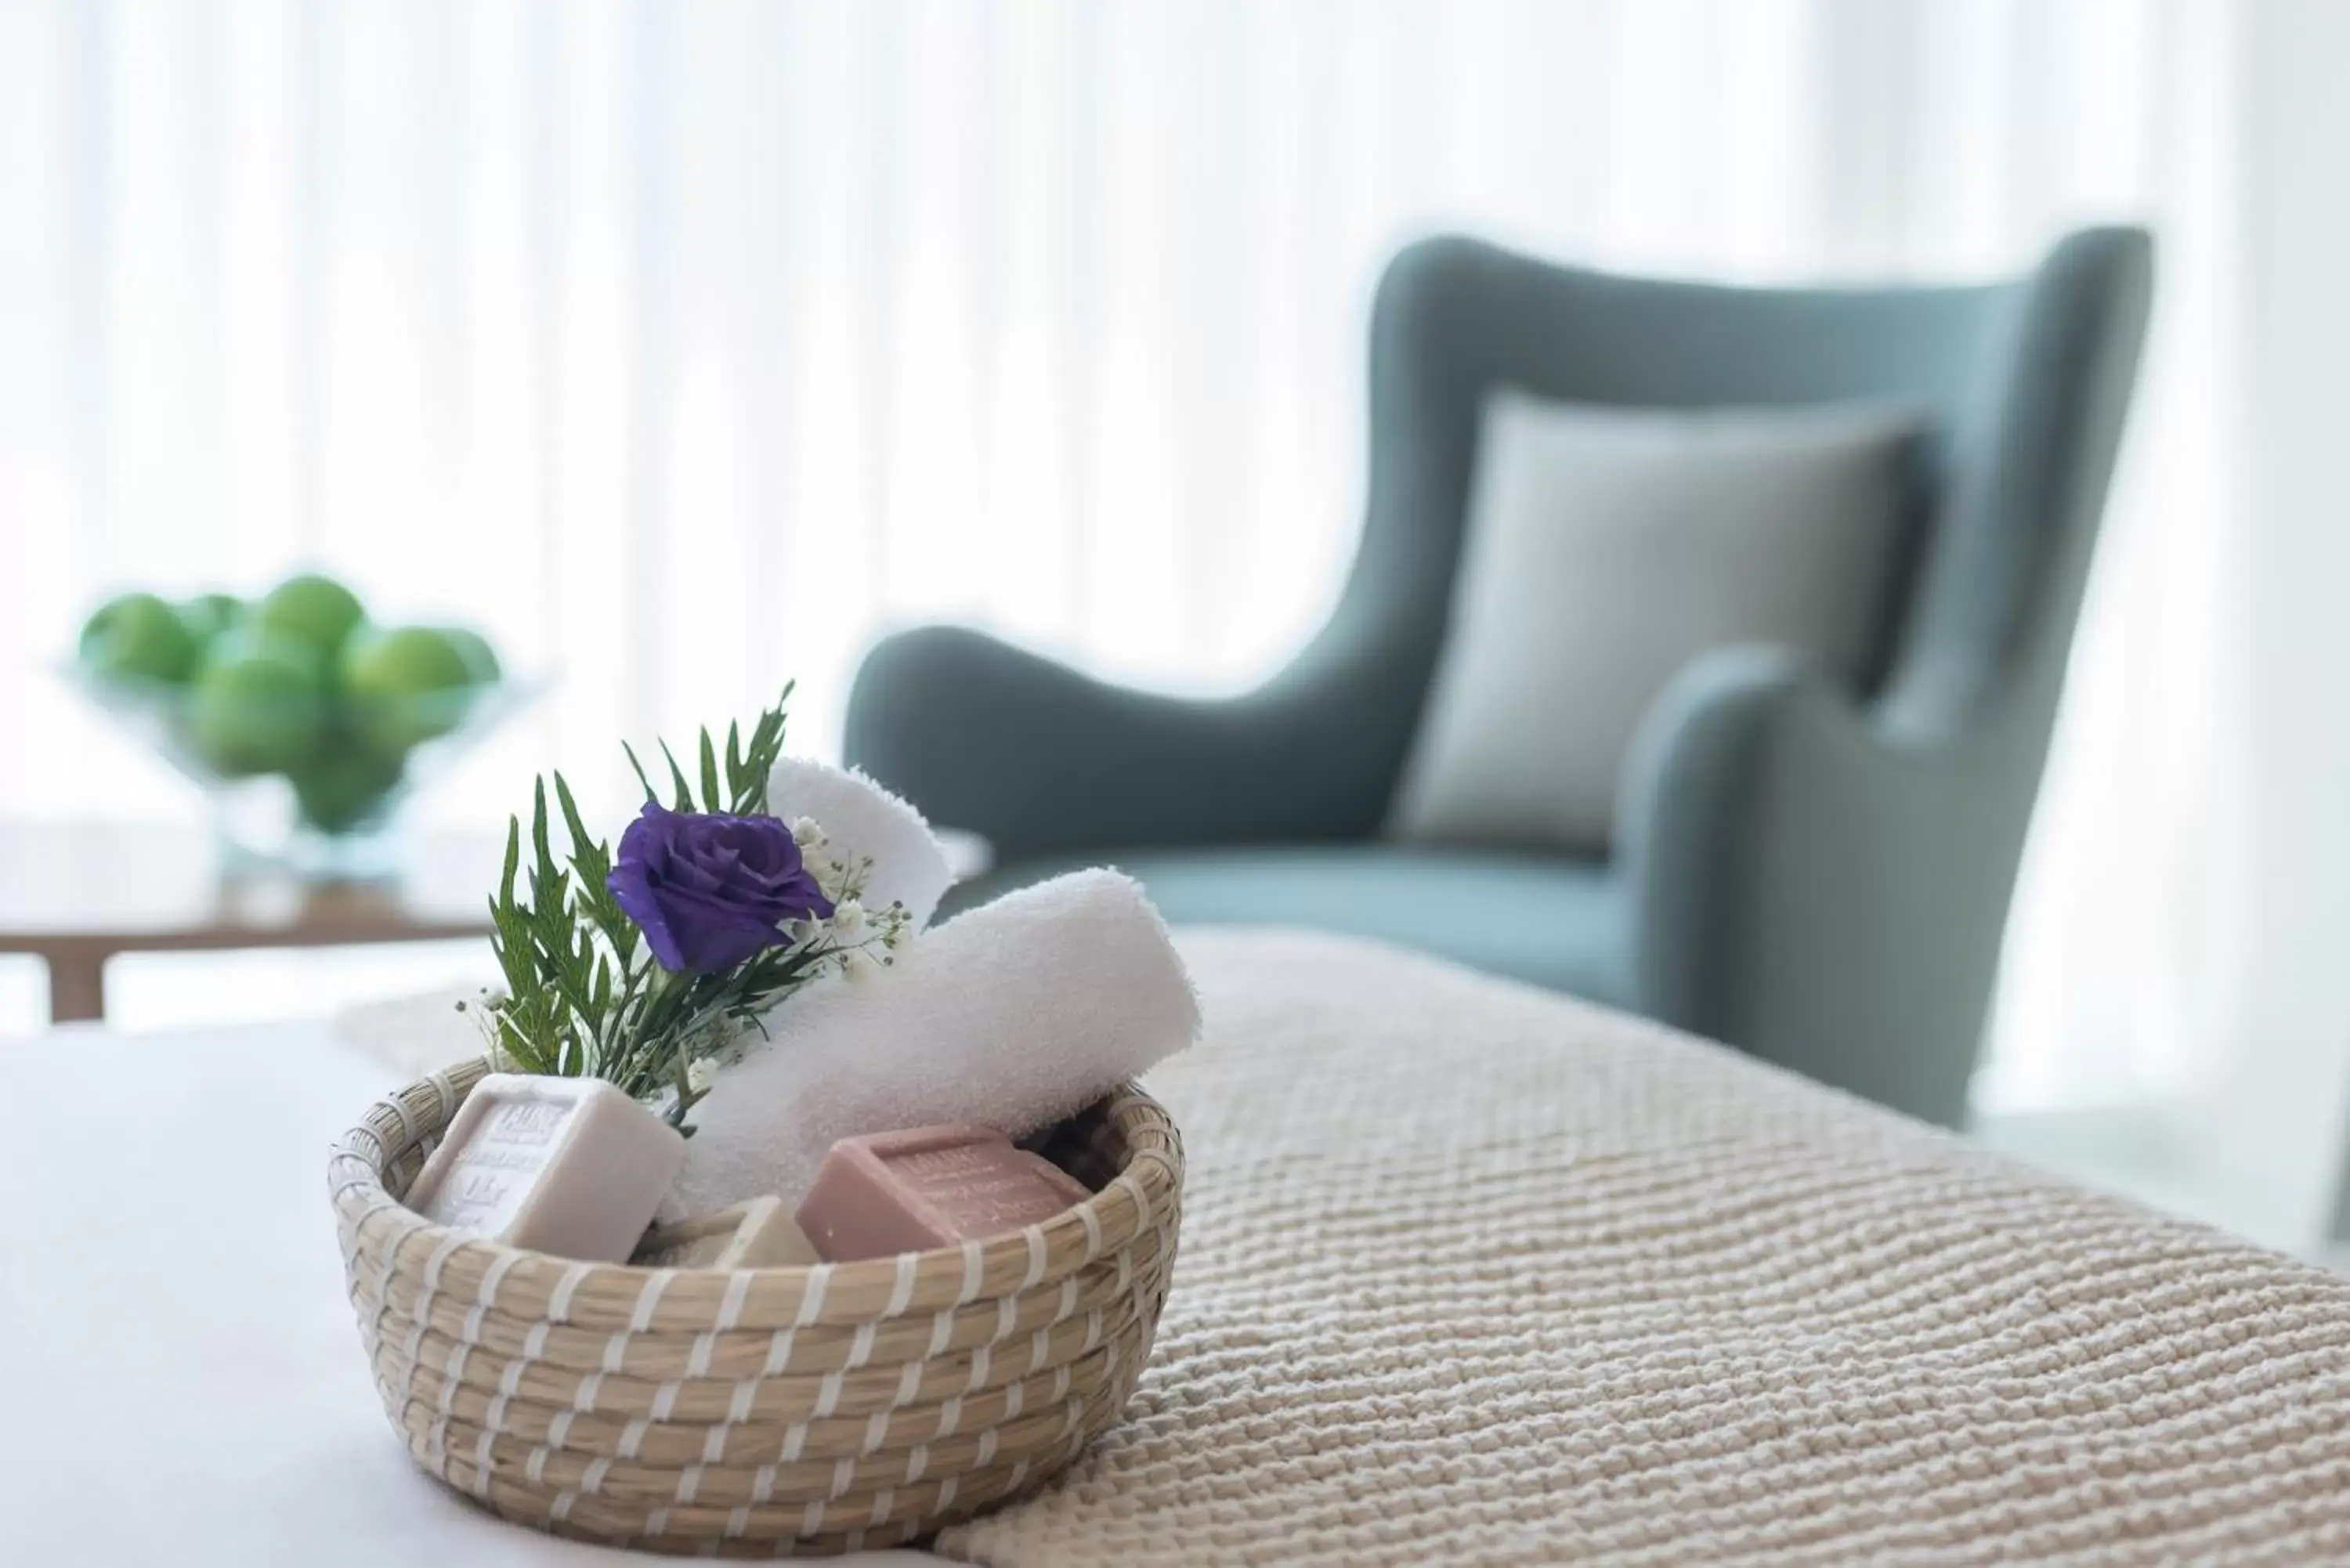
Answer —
861 818
1012 1017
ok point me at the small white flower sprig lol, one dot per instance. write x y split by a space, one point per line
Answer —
862 940
649 969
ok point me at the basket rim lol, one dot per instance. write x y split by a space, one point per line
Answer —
382 1234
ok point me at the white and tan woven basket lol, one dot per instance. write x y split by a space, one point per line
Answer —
758 1411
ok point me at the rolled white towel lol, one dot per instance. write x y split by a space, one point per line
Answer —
1013 1015
860 817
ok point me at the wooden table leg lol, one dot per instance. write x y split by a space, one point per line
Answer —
77 987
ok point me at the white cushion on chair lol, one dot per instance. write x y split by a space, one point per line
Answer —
1607 547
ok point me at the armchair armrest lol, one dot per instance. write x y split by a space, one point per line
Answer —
1811 890
1043 759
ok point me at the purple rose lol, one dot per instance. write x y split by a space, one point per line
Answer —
708 891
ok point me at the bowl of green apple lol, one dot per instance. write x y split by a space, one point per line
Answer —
307 724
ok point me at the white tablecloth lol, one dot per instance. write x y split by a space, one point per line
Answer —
182 1381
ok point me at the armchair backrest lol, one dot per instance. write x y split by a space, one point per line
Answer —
2023 382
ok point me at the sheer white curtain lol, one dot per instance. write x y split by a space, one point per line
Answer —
687 345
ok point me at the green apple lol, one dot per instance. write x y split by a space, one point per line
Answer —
345 784
405 685
207 615
311 609
259 704
480 656
138 636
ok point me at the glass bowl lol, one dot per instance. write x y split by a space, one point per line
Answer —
317 786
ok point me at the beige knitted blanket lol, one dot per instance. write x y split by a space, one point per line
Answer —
1471 1274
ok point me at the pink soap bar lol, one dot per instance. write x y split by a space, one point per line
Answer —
567 1166
933 1187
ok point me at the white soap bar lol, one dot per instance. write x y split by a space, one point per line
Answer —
760 1234
567 1166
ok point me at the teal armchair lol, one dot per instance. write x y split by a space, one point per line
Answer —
1814 875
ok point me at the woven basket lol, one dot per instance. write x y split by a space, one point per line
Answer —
765 1412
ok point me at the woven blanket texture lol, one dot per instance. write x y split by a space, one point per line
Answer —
1471 1274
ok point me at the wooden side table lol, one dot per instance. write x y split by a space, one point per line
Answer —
77 894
